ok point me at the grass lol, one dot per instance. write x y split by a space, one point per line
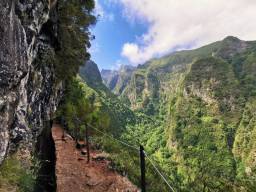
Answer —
14 177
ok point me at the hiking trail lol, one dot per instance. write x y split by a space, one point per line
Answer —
74 174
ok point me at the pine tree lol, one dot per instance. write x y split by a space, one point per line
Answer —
75 18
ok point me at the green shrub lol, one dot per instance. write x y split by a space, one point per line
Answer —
13 175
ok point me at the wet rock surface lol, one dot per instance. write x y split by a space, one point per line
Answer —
29 93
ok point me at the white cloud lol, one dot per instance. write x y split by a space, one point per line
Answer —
103 14
177 24
98 8
131 49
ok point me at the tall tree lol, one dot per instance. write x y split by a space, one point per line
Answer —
75 18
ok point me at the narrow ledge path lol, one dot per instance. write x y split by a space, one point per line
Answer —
74 174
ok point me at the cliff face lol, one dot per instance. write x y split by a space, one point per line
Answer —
117 80
204 100
110 78
91 74
29 93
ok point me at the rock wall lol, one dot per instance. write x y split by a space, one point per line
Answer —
29 92
91 74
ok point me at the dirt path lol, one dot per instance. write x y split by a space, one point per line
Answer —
74 174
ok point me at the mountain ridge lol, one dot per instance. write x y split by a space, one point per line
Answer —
116 80
203 100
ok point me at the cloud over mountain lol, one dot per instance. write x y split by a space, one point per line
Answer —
174 25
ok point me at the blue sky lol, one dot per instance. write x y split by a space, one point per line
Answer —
112 31
134 31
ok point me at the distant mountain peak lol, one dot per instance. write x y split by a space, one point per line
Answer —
231 39
107 71
90 73
116 80
231 46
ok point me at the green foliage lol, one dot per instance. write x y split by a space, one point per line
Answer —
203 124
126 161
244 146
150 133
93 105
15 177
201 109
194 114
119 115
204 161
75 17
80 108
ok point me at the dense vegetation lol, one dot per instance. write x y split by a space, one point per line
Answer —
116 80
201 106
75 18
14 177
193 111
71 50
90 102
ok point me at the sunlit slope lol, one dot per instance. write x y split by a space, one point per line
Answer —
205 100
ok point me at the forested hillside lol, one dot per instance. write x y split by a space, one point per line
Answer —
191 114
201 106
88 101
116 80
192 111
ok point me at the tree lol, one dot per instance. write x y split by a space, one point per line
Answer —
75 18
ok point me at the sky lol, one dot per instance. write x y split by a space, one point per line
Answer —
131 32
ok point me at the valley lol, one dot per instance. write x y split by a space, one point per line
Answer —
196 101
161 108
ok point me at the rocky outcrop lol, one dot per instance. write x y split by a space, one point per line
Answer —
29 93
90 73
117 80
110 78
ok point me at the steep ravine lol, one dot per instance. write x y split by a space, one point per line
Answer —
204 100
29 94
